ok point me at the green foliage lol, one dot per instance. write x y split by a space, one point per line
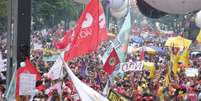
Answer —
3 11
47 13
3 15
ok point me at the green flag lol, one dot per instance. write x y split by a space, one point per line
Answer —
121 42
10 92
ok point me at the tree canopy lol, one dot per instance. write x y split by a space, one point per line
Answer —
47 13
3 15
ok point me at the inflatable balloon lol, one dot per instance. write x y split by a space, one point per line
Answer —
119 14
198 19
115 4
82 1
123 6
118 8
175 6
148 10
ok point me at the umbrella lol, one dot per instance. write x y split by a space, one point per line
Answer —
137 39
178 42
145 49
158 49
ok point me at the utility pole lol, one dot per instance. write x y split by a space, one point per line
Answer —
19 30
11 58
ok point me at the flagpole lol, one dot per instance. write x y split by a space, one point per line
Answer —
62 80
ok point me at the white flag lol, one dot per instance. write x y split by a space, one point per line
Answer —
85 92
56 86
107 88
56 71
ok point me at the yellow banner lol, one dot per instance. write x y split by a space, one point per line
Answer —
113 96
199 37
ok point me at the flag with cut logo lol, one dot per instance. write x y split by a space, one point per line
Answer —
184 57
174 60
199 37
121 41
65 41
85 92
89 31
111 62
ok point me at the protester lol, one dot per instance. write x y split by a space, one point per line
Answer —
147 85
134 86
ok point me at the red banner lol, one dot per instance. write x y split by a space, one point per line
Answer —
90 30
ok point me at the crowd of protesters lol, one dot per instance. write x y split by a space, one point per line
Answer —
145 85
3 59
136 86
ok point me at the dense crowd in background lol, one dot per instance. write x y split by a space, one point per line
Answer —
136 86
3 58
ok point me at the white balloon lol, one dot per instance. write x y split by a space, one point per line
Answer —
198 19
119 14
175 6
82 1
115 4
122 7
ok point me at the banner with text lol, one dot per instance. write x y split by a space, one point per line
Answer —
27 84
113 96
191 72
132 66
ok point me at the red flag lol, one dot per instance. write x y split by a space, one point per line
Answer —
33 70
111 62
29 68
90 30
142 55
65 41
41 87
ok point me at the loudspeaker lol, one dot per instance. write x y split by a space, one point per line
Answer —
23 30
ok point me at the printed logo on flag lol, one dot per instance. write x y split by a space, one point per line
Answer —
91 26
112 61
102 20
88 21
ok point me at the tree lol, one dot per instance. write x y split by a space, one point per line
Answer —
47 13
3 15
67 11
